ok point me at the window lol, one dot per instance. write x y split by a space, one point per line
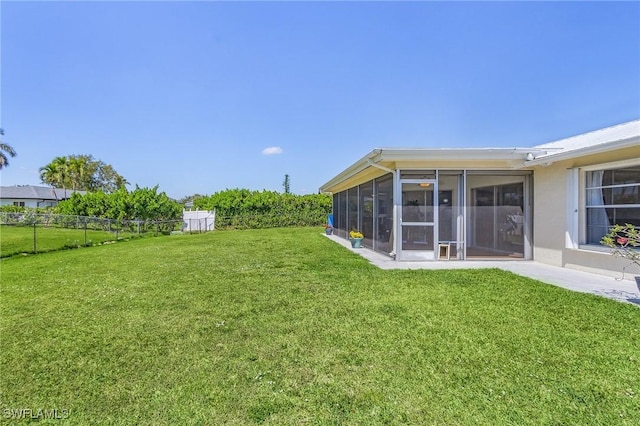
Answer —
18 203
612 197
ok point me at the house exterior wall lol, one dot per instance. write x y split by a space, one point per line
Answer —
554 218
27 203
549 214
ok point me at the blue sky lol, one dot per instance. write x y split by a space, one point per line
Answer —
197 97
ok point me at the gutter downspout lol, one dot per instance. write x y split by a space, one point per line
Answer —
395 205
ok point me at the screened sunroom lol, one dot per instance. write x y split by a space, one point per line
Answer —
416 205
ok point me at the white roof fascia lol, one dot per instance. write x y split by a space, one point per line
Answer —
351 171
619 136
551 157
428 154
425 154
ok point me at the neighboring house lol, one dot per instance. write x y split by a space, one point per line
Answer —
33 196
550 203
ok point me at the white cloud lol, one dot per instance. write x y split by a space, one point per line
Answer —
272 150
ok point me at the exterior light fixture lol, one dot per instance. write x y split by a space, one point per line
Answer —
424 185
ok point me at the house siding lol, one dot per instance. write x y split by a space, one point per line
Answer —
27 203
550 217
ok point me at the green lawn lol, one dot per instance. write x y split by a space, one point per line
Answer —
19 239
282 326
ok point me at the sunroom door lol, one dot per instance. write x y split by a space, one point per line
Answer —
418 219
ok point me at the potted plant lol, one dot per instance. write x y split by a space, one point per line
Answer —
328 229
356 239
625 242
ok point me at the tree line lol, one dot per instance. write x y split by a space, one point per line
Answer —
106 196
81 173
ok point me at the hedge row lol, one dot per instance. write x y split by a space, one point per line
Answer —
242 208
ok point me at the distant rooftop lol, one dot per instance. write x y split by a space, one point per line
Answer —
30 192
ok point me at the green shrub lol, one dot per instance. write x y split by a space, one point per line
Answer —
243 209
139 204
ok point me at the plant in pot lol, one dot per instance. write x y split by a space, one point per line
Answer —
625 242
356 239
328 229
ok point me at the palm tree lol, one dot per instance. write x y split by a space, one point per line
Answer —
77 167
81 173
4 148
56 173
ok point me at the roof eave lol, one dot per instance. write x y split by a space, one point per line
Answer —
549 159
352 170
514 158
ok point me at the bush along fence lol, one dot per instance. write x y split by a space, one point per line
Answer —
30 232
241 209
259 221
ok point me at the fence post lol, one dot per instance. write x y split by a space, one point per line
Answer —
156 228
138 223
34 238
85 233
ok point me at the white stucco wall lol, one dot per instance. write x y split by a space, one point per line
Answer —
27 203
550 217
549 214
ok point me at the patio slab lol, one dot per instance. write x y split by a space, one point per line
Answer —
622 290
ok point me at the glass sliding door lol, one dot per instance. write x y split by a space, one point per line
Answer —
496 216
418 220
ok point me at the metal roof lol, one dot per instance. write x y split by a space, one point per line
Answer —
30 192
615 137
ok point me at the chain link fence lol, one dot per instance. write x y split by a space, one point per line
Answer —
29 232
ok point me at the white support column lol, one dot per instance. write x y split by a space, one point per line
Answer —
397 211
572 234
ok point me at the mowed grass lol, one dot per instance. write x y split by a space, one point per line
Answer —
284 327
16 240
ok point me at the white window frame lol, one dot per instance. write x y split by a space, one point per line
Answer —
577 223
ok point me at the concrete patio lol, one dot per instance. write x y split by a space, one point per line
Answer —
622 290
